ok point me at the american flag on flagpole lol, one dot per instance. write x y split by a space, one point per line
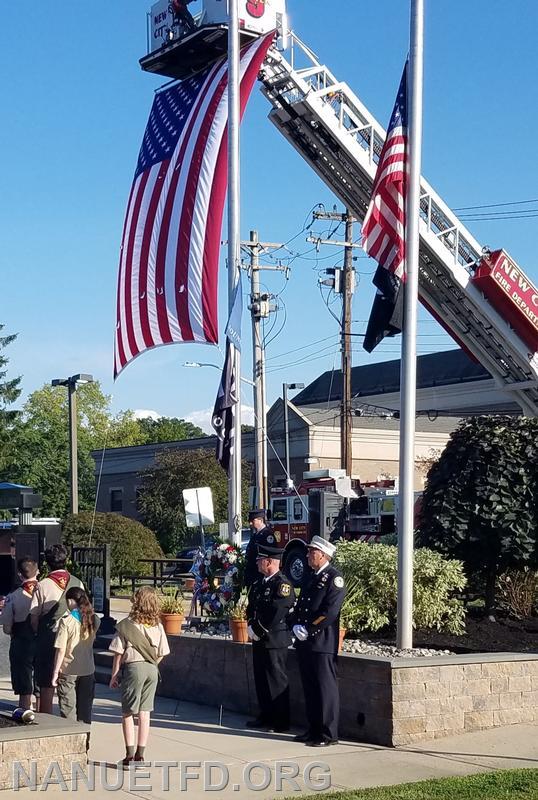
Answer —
167 282
383 229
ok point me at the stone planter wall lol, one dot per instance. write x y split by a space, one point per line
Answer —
52 740
383 701
482 692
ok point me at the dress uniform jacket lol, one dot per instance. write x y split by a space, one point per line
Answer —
268 606
318 609
269 602
265 536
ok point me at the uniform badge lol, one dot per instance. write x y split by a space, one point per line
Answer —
339 582
270 539
284 590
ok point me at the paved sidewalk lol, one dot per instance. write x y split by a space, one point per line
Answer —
188 732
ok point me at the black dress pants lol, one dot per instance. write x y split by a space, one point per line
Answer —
320 687
272 687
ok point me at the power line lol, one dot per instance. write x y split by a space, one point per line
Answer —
495 205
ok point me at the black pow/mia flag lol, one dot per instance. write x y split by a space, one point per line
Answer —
224 412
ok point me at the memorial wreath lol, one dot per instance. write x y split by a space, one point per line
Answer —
218 574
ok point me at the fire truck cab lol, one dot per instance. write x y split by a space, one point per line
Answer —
329 504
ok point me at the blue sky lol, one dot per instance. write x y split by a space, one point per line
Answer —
75 107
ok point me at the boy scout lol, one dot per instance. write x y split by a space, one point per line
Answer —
16 623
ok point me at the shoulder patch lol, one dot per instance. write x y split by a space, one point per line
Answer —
270 539
339 582
284 590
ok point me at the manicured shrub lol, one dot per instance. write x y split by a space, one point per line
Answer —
128 539
436 582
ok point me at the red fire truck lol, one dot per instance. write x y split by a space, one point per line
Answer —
329 504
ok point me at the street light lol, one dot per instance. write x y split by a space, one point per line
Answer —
72 383
215 366
285 387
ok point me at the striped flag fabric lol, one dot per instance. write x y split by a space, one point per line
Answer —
383 229
168 271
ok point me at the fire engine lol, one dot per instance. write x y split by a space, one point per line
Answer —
482 297
329 504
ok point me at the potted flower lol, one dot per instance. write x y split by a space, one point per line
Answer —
237 619
172 616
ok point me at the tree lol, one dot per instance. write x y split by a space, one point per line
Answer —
479 504
40 444
168 429
161 498
9 392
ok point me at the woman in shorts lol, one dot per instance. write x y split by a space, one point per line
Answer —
139 646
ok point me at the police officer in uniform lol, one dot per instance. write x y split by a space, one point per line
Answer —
260 534
270 598
315 623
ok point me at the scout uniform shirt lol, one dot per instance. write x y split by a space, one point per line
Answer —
17 607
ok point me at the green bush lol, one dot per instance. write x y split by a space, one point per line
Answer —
435 580
128 539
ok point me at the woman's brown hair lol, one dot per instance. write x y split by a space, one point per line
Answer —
86 610
145 606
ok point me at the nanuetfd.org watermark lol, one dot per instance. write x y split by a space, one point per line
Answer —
173 776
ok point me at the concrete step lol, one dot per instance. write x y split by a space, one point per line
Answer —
103 657
103 674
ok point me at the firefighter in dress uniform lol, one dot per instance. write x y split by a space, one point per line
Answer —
260 534
270 598
315 623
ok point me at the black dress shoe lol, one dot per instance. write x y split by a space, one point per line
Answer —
303 737
321 742
257 724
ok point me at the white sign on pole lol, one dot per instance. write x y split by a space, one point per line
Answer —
162 20
198 507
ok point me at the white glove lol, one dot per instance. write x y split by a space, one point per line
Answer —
252 635
300 632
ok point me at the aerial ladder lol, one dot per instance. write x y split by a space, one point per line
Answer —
339 138
473 293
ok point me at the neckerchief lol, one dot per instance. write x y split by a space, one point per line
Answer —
76 614
29 586
60 577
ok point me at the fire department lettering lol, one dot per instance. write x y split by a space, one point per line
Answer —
256 8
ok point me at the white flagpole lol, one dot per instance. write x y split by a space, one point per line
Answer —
408 375
234 483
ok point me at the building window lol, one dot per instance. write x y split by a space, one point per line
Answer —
116 500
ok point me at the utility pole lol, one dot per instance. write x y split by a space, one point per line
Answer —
260 308
347 298
343 282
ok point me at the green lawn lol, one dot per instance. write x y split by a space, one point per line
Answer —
516 784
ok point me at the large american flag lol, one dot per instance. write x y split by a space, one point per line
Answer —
167 283
383 229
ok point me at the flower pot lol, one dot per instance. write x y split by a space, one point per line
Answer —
238 629
341 636
189 584
172 623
